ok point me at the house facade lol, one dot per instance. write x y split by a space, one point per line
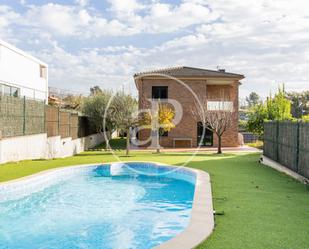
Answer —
22 74
185 85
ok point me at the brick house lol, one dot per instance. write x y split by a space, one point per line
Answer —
209 85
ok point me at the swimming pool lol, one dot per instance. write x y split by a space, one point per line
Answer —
132 205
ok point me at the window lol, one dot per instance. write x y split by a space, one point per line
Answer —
159 92
9 90
220 105
6 90
42 72
14 92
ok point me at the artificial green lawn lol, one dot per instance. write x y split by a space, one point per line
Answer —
262 208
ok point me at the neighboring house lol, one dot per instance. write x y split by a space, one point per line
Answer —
214 86
22 74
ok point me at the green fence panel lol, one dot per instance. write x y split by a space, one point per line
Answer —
34 117
270 140
288 144
21 116
11 116
303 161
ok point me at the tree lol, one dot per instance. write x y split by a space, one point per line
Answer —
95 108
305 118
300 103
124 114
274 108
253 99
96 90
257 115
73 102
278 107
158 120
218 117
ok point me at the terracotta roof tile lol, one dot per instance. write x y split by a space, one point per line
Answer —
190 72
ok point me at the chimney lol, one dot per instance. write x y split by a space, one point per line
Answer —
221 70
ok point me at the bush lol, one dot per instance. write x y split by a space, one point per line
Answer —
242 125
305 118
274 108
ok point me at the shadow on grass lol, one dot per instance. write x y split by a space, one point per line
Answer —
115 144
197 155
94 154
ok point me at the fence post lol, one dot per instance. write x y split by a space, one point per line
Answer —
69 124
277 142
58 121
24 116
44 120
297 146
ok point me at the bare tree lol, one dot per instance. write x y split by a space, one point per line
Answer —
216 116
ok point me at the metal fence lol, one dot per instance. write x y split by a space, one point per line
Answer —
21 116
288 143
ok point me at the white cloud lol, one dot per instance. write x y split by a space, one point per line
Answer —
82 3
265 40
168 18
125 8
57 18
129 17
7 16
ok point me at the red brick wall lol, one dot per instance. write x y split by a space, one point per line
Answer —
187 128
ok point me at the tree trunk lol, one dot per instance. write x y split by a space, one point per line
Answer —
157 142
219 145
104 135
107 146
128 142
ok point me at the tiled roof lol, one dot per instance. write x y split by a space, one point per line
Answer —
190 72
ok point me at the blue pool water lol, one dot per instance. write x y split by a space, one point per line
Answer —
97 207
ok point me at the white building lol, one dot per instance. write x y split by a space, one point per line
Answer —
22 74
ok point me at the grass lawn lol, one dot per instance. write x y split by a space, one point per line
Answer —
262 208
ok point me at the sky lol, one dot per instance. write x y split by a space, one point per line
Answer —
104 42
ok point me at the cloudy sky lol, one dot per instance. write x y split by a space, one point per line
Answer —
104 42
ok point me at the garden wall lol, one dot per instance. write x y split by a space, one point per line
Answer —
40 146
288 144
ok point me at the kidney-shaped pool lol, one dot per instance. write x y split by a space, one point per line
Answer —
132 205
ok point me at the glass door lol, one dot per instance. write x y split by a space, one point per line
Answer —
207 140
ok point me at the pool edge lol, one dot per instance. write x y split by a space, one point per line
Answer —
202 219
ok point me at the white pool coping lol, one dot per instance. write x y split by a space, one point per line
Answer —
202 219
